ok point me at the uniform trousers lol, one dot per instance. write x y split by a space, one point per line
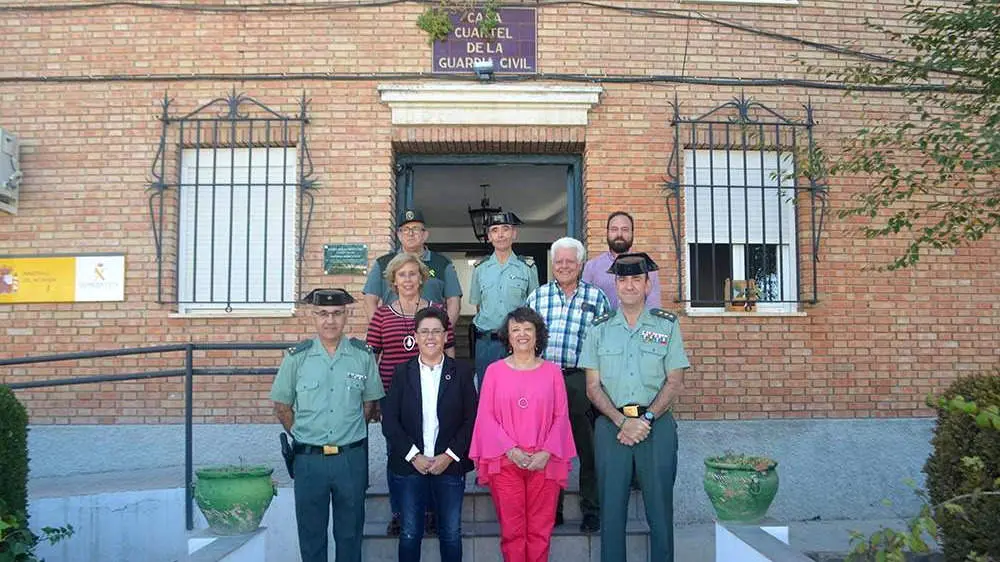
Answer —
488 350
323 482
582 424
656 468
526 509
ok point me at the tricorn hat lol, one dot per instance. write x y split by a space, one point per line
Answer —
627 265
328 297
502 217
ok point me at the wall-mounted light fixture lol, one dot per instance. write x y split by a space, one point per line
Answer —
478 216
484 69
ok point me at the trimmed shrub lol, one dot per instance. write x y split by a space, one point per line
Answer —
951 473
13 452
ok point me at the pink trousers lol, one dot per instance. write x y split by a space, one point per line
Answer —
526 508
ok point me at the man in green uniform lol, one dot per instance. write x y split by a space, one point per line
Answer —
442 286
323 393
635 365
500 283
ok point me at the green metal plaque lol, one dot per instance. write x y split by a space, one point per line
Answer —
351 259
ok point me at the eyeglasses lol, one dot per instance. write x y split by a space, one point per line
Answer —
425 333
411 231
325 314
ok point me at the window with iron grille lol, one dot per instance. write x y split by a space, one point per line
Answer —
745 204
241 202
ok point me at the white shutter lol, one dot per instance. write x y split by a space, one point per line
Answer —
740 191
252 194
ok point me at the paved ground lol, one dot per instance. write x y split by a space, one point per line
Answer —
695 541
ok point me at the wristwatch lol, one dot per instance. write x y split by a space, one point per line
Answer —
649 417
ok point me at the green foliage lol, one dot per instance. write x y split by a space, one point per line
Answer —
936 175
891 545
491 18
436 20
13 452
962 510
964 469
18 542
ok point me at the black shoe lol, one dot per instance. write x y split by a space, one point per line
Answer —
393 529
559 518
590 524
430 524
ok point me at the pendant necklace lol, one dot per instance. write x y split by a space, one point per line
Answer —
409 341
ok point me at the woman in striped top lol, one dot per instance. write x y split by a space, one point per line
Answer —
392 336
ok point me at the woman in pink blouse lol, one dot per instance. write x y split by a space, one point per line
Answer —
522 444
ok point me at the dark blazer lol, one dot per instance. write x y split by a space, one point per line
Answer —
403 419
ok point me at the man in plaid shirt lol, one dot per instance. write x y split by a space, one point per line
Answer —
568 306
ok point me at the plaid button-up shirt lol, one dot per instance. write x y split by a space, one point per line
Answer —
567 319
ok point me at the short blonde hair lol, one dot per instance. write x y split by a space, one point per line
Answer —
397 263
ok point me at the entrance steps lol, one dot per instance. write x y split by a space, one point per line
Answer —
481 532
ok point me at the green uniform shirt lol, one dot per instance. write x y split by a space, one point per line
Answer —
442 283
327 393
634 363
500 288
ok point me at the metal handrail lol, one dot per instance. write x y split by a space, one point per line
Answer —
188 372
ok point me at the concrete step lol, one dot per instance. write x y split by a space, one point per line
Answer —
477 507
481 543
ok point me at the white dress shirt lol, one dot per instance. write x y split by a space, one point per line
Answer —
430 382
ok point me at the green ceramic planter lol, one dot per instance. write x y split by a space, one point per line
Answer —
741 488
234 499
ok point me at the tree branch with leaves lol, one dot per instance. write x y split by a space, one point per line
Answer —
937 174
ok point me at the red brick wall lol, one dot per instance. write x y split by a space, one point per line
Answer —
875 344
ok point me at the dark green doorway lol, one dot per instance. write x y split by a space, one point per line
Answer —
545 191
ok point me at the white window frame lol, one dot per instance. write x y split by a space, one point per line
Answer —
267 174
728 170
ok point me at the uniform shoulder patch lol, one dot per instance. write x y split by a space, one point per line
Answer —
361 345
384 260
300 347
528 260
603 318
660 313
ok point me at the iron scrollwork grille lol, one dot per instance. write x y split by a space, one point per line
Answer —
234 178
746 201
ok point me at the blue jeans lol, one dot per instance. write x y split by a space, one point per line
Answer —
487 351
392 481
392 486
414 493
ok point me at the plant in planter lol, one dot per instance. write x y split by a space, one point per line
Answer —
234 498
741 487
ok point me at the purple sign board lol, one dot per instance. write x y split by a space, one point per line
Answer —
511 46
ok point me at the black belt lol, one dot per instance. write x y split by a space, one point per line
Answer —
491 334
632 410
303 449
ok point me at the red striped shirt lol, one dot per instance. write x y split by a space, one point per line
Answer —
392 336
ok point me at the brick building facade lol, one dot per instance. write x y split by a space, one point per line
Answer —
82 90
